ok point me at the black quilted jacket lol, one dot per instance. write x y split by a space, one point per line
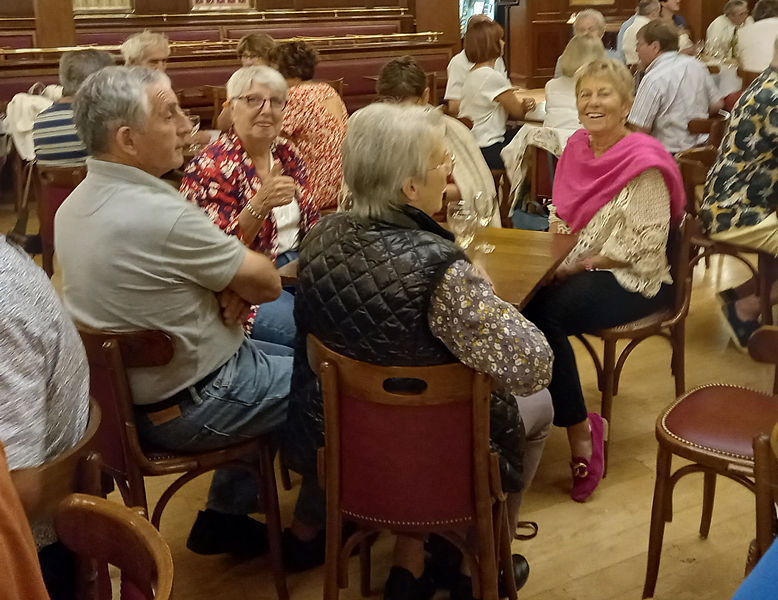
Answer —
363 289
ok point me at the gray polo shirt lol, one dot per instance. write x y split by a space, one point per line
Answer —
136 255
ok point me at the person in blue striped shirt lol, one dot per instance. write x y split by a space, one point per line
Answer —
56 141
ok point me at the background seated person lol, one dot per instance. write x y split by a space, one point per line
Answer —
674 90
617 271
403 80
56 140
723 35
314 120
433 310
588 22
741 192
488 97
135 255
755 41
668 13
458 68
648 10
254 185
254 50
561 105
146 49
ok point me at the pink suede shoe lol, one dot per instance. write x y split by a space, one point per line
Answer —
587 473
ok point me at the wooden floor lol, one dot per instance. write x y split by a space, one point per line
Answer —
591 551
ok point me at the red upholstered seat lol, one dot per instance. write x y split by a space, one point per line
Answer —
109 38
17 40
319 30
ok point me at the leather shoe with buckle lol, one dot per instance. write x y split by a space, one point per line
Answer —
587 473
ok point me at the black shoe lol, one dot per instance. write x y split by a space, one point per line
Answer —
728 296
402 585
740 331
520 573
444 562
218 533
302 555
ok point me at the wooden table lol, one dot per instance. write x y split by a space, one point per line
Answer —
519 266
522 262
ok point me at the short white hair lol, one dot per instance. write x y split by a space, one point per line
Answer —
241 80
733 5
385 145
112 98
134 47
646 7
594 15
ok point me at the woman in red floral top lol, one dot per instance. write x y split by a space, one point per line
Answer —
314 119
254 184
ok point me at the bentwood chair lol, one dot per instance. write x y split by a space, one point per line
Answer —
715 127
128 460
218 96
714 427
669 323
766 491
407 450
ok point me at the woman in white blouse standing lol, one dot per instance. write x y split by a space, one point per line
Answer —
619 191
488 97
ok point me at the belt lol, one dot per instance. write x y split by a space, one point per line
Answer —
169 408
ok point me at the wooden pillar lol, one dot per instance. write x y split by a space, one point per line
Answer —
54 23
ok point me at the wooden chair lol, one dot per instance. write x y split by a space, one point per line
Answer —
747 76
339 85
407 449
56 184
715 127
128 460
766 492
669 323
218 96
503 186
714 427
695 165
109 533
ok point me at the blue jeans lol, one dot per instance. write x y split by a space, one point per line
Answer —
274 321
247 397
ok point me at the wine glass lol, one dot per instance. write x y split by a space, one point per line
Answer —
485 205
463 223
195 121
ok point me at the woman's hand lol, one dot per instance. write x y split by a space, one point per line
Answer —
529 104
277 190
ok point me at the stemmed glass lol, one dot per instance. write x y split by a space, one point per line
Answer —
485 205
463 223
195 121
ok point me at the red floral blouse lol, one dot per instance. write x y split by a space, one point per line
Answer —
222 178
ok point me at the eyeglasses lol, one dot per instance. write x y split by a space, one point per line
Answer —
258 102
447 164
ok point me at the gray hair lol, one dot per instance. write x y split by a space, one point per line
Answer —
134 47
765 9
385 145
76 66
241 80
646 7
732 5
590 13
112 98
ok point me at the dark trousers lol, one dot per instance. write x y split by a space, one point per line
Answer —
492 153
584 303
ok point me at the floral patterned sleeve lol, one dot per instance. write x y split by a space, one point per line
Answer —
488 334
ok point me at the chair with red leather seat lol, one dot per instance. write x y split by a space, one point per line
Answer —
407 450
714 427
128 460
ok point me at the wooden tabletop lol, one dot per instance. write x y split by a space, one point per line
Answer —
519 266
522 262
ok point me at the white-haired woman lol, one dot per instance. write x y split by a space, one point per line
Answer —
254 184
404 294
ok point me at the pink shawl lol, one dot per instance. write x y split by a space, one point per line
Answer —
584 184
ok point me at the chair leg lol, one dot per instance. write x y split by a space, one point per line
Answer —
678 338
505 559
657 532
709 491
764 283
286 481
608 369
273 516
364 567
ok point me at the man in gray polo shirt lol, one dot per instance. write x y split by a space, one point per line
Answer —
136 255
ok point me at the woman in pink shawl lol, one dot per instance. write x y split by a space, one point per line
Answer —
619 191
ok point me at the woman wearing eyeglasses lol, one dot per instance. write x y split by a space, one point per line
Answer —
254 184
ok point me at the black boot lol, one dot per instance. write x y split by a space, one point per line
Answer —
217 533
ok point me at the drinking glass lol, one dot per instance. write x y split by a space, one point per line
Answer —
195 120
484 204
463 223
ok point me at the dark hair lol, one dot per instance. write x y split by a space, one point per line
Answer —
258 44
482 41
765 9
296 60
401 78
659 31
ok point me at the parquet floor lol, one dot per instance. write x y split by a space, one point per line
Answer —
591 551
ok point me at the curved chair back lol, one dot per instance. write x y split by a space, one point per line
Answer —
763 347
747 76
715 127
694 165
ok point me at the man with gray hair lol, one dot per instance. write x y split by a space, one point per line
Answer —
53 132
136 255
755 47
588 22
648 10
146 49
722 38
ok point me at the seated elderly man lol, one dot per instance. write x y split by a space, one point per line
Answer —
136 255
741 192
723 36
648 10
755 41
674 90
146 49
588 22
56 140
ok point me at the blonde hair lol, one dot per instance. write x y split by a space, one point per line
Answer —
611 70
579 51
134 47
